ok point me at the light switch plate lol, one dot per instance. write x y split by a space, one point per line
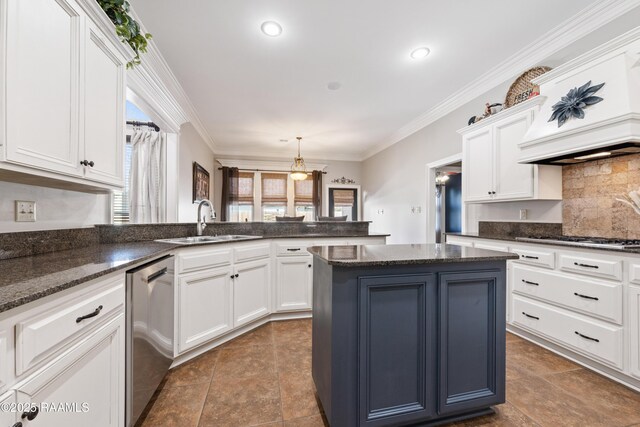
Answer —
25 211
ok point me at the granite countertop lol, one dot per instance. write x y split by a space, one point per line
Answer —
567 244
383 255
29 278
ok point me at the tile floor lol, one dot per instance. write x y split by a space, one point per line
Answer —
263 378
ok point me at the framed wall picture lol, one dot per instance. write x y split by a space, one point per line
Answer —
201 183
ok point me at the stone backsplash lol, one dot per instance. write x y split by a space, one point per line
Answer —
589 192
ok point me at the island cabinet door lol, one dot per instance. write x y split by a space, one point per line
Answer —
397 337
472 341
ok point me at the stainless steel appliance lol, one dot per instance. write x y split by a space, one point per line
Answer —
149 345
590 242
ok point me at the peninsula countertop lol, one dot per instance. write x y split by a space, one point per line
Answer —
383 255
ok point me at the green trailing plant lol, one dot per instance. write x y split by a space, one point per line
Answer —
126 27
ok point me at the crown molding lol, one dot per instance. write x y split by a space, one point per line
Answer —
345 157
266 165
154 81
563 35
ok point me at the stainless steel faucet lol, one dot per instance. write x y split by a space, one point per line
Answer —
202 221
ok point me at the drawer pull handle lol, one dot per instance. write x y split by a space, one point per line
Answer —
530 316
529 256
293 249
18 424
579 264
586 337
530 283
586 296
90 315
32 414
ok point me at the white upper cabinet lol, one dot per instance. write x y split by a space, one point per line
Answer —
103 110
478 160
490 168
42 62
64 94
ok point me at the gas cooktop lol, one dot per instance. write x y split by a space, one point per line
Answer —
592 242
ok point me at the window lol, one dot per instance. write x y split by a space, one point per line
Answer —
121 198
343 202
303 199
274 195
243 211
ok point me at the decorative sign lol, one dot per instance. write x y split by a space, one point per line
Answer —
343 180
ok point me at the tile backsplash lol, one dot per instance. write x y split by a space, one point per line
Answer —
589 192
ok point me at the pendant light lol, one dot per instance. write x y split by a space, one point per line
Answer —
298 168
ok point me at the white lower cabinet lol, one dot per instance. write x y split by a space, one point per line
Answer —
634 329
7 416
295 283
85 386
251 291
205 308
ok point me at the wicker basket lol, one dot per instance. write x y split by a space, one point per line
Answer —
522 85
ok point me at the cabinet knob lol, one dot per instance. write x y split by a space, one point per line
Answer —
493 192
236 275
18 424
489 192
32 414
87 163
309 265
232 276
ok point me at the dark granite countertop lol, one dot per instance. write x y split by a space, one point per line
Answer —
567 245
29 278
383 255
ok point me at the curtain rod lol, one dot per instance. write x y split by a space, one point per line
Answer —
148 124
267 170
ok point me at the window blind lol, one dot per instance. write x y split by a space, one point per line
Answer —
303 194
343 197
245 188
274 188
120 199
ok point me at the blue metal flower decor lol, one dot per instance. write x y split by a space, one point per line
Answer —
574 102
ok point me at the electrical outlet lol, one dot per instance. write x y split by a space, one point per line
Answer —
25 211
523 214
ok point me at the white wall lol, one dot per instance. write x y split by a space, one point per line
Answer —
191 148
54 208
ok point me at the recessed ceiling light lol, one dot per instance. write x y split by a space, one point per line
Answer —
334 85
419 53
271 28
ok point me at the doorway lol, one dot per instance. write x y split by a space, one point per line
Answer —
342 200
445 208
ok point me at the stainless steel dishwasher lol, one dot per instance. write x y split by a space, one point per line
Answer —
149 345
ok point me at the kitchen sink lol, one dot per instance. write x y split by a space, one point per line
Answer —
193 240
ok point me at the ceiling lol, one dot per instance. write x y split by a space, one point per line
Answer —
254 94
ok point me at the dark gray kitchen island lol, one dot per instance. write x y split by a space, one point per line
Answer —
408 334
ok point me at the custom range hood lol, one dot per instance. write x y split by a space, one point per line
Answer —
608 127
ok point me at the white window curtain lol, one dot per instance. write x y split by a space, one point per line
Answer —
147 176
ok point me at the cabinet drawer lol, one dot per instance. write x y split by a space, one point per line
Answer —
286 249
491 246
542 258
608 269
197 259
247 253
592 338
43 332
588 296
458 241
